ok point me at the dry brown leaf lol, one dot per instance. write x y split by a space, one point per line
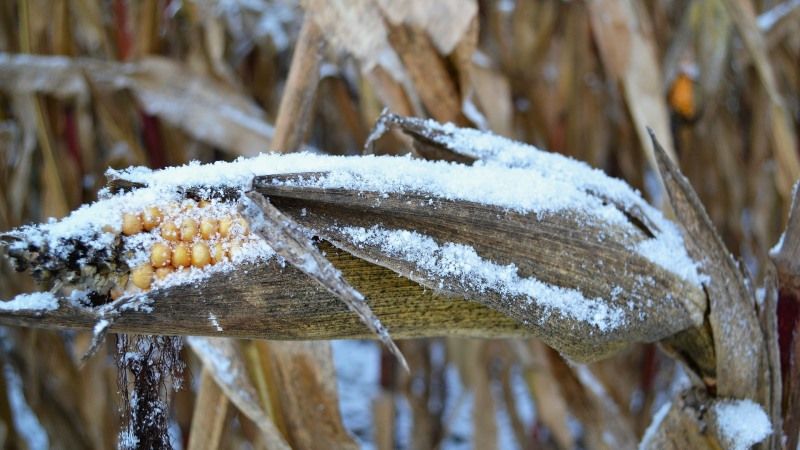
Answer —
783 134
588 400
626 45
358 27
445 22
504 237
305 382
210 414
738 342
301 86
544 387
291 241
222 359
207 110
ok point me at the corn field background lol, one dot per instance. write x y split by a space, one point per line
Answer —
163 82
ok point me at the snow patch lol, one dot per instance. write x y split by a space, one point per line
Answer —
652 429
100 326
41 301
25 421
463 264
212 318
742 423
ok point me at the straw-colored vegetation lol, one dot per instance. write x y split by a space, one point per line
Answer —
89 84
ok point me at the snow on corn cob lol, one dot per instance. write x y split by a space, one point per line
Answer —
143 245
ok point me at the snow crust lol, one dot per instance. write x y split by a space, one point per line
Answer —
743 423
461 263
42 301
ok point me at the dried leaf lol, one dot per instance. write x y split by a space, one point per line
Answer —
629 53
305 383
446 22
223 361
289 240
208 111
210 414
784 137
738 342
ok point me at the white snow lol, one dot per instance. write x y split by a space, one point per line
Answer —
212 318
768 19
461 263
27 425
357 365
42 301
652 429
100 326
742 423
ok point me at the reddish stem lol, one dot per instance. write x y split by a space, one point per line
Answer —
151 135
121 30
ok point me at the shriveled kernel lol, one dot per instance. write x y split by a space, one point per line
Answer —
188 229
169 231
217 253
151 217
160 254
201 255
225 225
208 228
162 272
142 276
181 256
131 224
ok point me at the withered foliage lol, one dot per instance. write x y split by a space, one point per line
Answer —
90 84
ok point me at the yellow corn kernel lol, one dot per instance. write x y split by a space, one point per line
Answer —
208 228
131 224
201 255
160 254
203 203
188 205
151 218
142 276
188 229
217 253
181 256
162 272
169 231
225 225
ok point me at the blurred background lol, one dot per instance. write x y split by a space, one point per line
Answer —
90 84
